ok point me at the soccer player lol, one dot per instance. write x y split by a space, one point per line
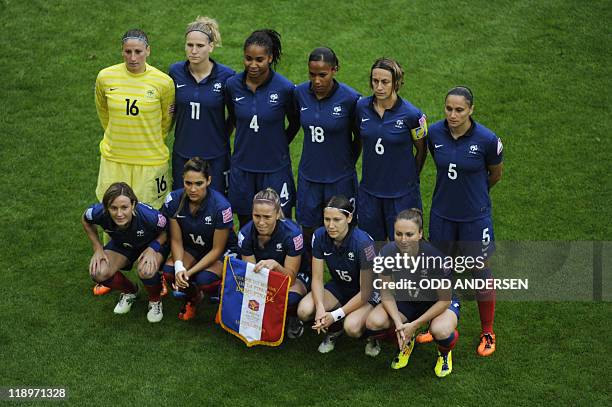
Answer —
201 128
348 253
201 235
408 309
138 234
469 162
134 102
275 243
393 134
331 148
259 100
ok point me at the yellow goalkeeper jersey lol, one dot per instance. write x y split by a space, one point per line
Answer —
134 110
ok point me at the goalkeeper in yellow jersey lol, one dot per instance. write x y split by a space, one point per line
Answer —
135 102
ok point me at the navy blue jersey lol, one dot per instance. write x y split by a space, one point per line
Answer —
389 167
200 112
327 153
435 270
147 224
198 229
462 187
286 240
355 253
261 143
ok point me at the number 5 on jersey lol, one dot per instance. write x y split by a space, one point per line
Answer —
452 172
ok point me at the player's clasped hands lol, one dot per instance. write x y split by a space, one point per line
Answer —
404 333
323 321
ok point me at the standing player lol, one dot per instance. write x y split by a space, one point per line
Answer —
348 253
137 234
201 129
259 100
276 243
330 150
133 101
415 307
392 131
201 233
469 162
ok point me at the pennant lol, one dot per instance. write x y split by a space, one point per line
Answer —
253 305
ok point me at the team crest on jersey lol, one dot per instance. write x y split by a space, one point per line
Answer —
399 124
217 87
150 93
337 110
140 233
208 220
273 98
474 149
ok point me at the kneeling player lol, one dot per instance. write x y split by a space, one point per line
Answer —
414 307
137 233
348 253
201 234
275 243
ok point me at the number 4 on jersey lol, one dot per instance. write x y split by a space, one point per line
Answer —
254 124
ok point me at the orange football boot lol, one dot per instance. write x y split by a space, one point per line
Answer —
100 289
487 344
424 337
164 290
188 312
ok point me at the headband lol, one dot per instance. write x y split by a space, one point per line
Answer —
339 209
200 31
139 38
265 200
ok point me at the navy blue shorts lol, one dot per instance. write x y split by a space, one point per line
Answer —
474 238
313 196
219 172
377 215
305 279
414 309
132 254
198 254
344 294
244 185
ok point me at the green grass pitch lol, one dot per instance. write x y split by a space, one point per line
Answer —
541 73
